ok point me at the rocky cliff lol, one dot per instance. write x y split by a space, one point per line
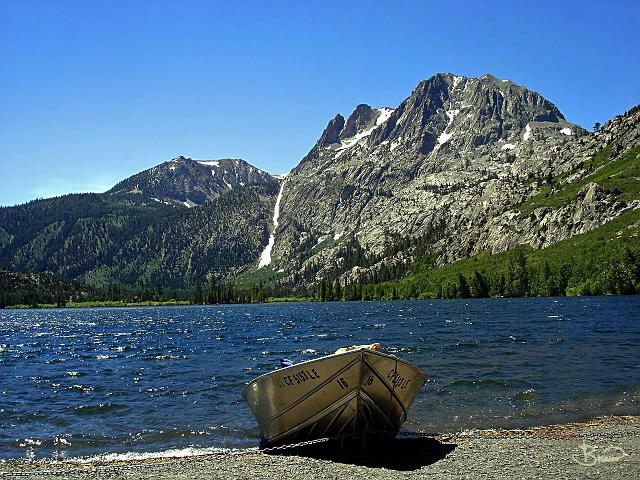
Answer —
457 157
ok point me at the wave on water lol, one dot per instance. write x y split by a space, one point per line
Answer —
164 357
57 441
166 454
97 409
527 395
485 382
106 357
76 388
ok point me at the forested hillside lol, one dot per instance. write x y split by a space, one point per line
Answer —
100 238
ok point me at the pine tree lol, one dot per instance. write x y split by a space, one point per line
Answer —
463 287
197 296
212 291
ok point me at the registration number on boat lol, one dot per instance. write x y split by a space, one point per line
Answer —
397 380
297 378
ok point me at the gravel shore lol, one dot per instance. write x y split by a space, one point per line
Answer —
602 448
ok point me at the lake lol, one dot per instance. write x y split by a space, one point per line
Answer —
151 380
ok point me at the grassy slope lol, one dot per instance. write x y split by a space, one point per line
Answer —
619 175
255 277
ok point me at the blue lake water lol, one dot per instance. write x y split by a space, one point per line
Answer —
89 382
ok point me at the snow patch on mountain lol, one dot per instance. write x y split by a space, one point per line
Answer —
444 136
265 257
209 163
385 113
355 139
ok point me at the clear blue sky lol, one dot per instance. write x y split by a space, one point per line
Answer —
94 91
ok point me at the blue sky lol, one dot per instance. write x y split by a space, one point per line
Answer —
94 91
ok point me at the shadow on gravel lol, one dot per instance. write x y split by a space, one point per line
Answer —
395 454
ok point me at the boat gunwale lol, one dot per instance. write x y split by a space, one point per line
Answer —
349 352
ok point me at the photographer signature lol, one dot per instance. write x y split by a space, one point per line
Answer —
589 457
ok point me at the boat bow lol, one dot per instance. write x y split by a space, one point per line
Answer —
349 393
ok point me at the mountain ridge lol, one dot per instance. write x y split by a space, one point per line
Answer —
449 171
189 182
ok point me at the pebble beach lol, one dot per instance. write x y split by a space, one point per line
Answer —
605 447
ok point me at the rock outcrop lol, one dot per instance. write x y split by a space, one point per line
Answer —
459 155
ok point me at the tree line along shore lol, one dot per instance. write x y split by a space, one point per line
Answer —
518 273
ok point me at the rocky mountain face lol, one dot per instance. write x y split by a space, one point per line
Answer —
540 223
453 161
191 182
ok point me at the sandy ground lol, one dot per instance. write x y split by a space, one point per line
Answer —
603 448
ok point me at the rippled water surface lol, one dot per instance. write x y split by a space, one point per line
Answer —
91 382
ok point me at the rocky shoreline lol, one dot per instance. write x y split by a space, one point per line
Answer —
605 447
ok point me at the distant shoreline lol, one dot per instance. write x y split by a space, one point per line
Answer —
100 304
169 303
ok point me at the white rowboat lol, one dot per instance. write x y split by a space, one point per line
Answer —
354 393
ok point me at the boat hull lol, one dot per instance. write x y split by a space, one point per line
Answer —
348 394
